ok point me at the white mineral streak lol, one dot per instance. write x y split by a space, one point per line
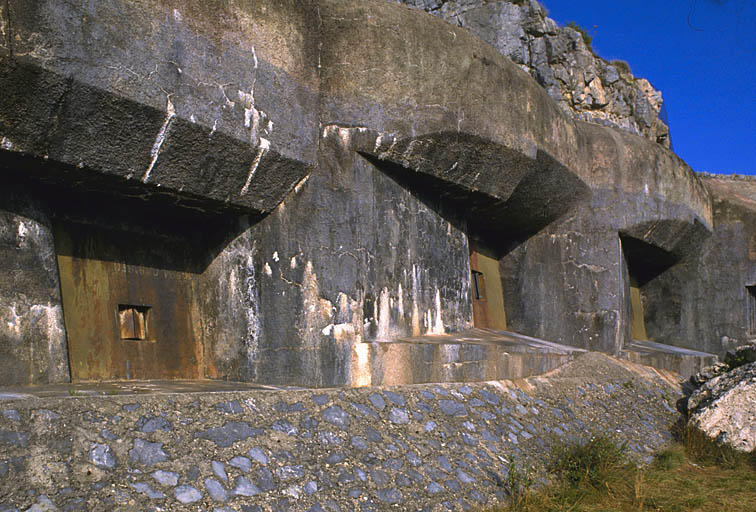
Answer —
252 310
13 322
22 232
384 317
261 150
438 325
317 311
160 139
229 292
51 316
298 187
361 369
415 298
400 302
252 119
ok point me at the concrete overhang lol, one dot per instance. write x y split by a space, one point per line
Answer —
223 104
428 88
212 106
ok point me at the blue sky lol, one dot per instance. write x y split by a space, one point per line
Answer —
700 53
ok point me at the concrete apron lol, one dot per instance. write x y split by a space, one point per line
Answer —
474 355
467 356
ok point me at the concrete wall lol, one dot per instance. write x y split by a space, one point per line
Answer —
32 337
569 282
703 304
166 99
349 257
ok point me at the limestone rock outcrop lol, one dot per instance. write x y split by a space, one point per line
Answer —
725 408
582 83
724 404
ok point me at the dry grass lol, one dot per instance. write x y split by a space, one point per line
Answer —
693 475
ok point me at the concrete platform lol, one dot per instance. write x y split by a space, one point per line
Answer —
131 387
684 361
468 356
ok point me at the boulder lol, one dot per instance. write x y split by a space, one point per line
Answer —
724 408
741 355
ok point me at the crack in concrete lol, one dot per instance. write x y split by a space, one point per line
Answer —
52 125
9 28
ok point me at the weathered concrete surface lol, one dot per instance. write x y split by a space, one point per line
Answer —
579 264
466 356
32 336
683 361
365 261
175 97
424 112
704 304
427 447
582 83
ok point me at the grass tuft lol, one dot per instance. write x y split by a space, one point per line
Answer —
597 475
587 38
622 65
590 462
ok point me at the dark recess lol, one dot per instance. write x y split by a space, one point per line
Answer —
645 261
541 197
144 223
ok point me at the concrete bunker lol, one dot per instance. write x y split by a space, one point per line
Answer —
495 169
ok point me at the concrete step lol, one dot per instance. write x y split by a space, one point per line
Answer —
684 361
468 356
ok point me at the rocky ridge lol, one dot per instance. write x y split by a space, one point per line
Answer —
583 84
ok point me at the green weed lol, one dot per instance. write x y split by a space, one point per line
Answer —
596 475
587 38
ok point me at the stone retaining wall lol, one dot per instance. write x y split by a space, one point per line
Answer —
423 447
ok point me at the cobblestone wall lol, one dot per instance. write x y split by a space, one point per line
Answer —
425 447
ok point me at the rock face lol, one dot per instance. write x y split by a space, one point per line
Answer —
722 401
582 83
725 408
